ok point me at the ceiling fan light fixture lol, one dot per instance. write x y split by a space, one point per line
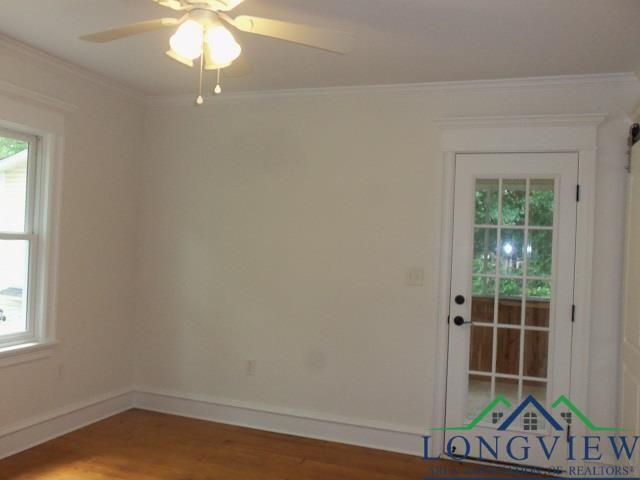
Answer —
187 41
222 46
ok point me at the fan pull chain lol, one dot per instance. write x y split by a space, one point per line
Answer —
218 89
200 98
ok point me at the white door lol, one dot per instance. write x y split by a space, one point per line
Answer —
630 394
511 299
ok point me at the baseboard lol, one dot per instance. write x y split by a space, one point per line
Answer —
390 437
42 428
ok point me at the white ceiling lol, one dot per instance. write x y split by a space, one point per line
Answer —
397 41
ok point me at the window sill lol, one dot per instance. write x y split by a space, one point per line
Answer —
26 352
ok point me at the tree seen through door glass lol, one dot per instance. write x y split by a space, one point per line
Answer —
541 202
511 254
514 202
486 201
539 253
484 250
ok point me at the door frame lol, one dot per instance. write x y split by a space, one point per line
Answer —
520 134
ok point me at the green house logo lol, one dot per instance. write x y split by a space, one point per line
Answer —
532 410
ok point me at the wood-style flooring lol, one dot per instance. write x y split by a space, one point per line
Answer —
142 445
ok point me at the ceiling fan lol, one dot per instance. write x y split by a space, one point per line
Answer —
202 34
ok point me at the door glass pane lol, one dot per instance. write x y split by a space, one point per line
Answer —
481 352
486 201
484 250
539 253
537 389
541 202
13 286
512 258
508 388
510 302
479 394
13 184
508 351
514 201
511 252
536 351
538 303
482 302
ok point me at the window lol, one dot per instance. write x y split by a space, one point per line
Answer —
19 239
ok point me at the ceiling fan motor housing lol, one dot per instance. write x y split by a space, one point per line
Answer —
215 5
206 18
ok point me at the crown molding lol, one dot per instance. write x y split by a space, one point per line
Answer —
159 101
581 119
15 91
24 50
479 86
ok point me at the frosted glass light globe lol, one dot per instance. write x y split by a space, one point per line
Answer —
187 41
223 48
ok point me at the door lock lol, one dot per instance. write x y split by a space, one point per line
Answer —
459 321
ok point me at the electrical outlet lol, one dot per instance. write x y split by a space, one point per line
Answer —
414 277
251 368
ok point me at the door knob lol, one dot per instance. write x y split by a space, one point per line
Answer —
459 321
460 299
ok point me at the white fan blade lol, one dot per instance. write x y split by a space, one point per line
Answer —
239 68
172 4
171 53
129 30
338 42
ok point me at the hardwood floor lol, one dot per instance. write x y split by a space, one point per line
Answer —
142 445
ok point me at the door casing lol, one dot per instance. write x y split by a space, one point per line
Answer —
520 134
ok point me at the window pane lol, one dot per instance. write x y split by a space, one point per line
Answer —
536 350
508 352
510 302
482 302
538 303
541 203
511 254
13 184
514 194
481 353
479 395
486 202
484 250
508 388
14 255
539 253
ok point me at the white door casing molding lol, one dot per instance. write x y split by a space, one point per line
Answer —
520 134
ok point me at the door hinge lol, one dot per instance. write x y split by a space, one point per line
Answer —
578 193
573 313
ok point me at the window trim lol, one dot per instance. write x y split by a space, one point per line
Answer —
30 234
42 214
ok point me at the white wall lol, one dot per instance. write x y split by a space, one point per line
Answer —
97 238
276 229
279 229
